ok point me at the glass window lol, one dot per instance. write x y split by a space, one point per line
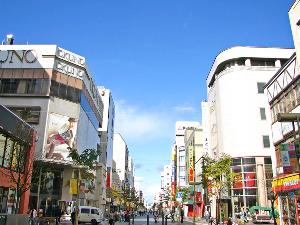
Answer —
8 153
15 156
266 141
85 210
54 88
260 87
251 201
181 159
236 169
2 148
248 161
262 113
249 168
30 115
268 161
94 211
237 191
236 161
250 191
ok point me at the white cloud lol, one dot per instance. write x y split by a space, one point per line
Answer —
184 109
138 124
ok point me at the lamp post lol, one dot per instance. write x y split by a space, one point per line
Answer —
273 197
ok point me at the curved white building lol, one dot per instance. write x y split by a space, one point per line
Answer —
239 118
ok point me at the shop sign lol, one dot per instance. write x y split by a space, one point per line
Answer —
69 70
70 57
73 187
286 183
191 164
21 56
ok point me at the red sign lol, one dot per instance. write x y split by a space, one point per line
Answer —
249 179
198 197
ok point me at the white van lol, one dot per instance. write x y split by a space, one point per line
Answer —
89 214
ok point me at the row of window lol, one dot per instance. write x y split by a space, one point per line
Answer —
289 100
30 114
250 160
24 86
64 91
12 154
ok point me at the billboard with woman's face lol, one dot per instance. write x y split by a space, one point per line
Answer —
61 136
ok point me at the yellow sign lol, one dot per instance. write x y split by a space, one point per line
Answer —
73 187
191 164
286 183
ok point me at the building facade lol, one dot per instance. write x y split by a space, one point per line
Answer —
53 90
181 151
283 91
106 135
193 139
238 120
17 146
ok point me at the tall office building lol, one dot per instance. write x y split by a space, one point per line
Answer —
53 90
239 120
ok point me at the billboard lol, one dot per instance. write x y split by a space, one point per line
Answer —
60 137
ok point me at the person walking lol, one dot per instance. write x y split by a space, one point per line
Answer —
58 214
73 217
181 215
206 215
33 216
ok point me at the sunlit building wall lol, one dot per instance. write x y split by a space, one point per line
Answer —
180 127
239 119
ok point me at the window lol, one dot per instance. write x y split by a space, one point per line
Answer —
8 153
94 211
181 159
263 62
65 92
236 161
262 113
268 161
266 141
2 148
24 86
30 115
237 191
85 210
260 87
248 161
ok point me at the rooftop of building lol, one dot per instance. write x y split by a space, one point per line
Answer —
239 52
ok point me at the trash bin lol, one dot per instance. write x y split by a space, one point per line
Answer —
3 219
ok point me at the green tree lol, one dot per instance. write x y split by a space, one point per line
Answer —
218 176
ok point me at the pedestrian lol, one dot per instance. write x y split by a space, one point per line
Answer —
58 214
229 222
181 215
33 216
239 220
111 220
206 215
73 217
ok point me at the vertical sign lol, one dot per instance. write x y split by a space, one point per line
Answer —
191 164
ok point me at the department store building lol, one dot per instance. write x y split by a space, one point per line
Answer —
239 122
52 90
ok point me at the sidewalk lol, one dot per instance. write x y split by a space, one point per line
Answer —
199 221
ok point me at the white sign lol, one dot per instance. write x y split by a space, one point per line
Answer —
69 70
20 56
70 57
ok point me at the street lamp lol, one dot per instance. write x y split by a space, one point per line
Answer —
273 196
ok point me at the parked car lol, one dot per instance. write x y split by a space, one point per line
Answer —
89 214
262 214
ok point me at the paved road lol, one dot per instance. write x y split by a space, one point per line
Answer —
143 221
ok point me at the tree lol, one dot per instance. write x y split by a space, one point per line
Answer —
87 159
218 176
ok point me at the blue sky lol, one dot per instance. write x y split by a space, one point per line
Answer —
154 55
